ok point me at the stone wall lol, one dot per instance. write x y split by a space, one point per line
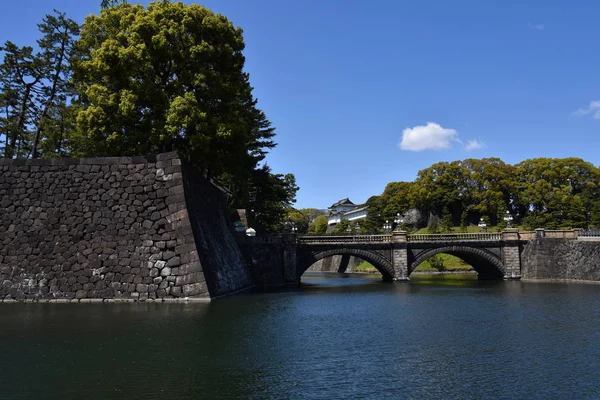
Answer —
225 269
339 263
561 259
265 256
112 228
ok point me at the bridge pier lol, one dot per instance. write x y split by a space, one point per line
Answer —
290 263
400 255
511 255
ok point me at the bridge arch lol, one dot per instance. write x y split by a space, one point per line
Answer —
485 263
382 264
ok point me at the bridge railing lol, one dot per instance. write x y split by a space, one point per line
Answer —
590 233
450 237
326 239
526 235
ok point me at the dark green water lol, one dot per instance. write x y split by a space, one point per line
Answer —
334 338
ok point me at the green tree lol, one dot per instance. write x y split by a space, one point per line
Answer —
445 224
34 90
319 225
111 3
300 219
437 262
59 33
396 199
374 221
434 227
556 193
344 226
443 186
490 185
169 77
311 213
271 200
21 76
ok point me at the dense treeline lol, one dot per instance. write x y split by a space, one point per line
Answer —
543 192
549 193
134 81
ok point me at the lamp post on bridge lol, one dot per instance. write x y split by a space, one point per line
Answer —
387 227
508 218
398 221
289 226
482 225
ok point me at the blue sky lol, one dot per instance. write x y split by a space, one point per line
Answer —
365 93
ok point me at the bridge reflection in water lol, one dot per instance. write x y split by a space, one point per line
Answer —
397 255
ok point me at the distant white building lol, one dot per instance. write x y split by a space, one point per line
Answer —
345 209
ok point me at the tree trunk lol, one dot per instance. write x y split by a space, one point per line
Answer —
50 100
21 121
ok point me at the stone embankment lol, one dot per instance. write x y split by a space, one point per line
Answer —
128 228
561 260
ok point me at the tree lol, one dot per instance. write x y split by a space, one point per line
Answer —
56 44
374 221
271 199
319 225
34 90
437 262
443 186
344 226
21 74
491 183
299 219
445 223
169 77
557 193
396 199
311 213
303 219
111 3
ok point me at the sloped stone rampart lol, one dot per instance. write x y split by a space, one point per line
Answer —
224 267
102 228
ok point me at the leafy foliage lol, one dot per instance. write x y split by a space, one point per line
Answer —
272 197
319 225
541 192
35 91
437 262
168 77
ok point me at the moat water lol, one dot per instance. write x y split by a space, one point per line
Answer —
336 337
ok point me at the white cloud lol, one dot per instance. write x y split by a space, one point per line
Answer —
539 27
434 137
593 108
429 137
474 144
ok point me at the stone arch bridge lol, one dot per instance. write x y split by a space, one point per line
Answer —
396 256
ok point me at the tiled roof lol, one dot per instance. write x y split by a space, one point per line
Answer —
343 202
